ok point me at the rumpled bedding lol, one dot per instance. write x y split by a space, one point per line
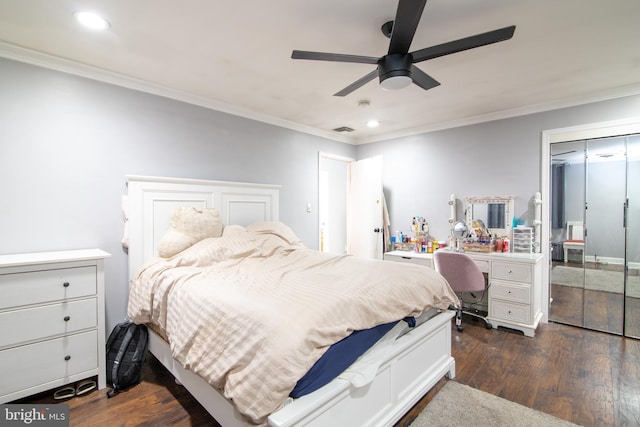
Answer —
253 310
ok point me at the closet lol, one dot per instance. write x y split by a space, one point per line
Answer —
594 279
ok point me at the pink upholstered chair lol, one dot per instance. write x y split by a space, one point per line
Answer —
463 275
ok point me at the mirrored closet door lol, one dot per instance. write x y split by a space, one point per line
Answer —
594 281
632 219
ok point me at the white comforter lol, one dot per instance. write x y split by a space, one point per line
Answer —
252 311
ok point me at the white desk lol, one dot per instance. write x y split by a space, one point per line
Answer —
515 285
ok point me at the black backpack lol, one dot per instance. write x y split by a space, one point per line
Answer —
126 353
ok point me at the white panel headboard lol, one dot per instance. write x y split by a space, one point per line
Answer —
152 200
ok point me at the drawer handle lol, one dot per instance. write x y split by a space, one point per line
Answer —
406 257
67 318
510 272
66 284
67 358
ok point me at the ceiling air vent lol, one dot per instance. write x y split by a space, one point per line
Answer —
344 129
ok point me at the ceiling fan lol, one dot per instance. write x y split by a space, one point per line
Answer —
395 69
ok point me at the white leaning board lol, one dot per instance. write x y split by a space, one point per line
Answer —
417 362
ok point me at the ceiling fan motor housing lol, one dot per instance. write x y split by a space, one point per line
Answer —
395 65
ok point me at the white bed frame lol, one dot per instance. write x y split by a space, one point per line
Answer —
419 360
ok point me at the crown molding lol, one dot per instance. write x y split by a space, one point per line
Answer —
52 62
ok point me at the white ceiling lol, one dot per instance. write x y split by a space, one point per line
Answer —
236 57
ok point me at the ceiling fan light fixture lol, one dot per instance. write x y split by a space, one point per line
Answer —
395 82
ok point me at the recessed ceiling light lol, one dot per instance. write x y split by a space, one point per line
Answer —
92 20
373 123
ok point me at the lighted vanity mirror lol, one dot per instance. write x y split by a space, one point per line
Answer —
495 211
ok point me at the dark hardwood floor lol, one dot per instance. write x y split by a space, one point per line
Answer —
587 377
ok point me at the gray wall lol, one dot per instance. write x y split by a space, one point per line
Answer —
497 158
67 144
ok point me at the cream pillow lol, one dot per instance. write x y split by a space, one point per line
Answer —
189 225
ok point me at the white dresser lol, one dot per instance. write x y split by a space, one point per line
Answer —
52 327
515 285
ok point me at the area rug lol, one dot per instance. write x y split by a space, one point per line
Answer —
458 405
597 280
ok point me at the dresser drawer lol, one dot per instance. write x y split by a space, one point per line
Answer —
19 289
21 326
511 312
511 292
512 271
37 364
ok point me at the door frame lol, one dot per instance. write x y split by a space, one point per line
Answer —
332 157
572 133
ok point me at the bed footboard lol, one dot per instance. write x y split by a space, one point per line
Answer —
418 361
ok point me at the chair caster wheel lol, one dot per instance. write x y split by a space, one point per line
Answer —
459 328
488 326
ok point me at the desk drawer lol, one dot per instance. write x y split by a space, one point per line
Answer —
511 292
512 271
31 324
36 364
409 260
19 289
511 312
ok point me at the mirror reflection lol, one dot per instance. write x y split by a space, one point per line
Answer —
496 212
492 214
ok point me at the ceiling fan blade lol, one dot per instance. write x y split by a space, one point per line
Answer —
357 84
405 24
337 57
422 79
466 43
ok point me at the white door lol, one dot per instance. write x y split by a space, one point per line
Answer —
365 209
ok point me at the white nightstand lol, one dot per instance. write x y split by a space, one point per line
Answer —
52 323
